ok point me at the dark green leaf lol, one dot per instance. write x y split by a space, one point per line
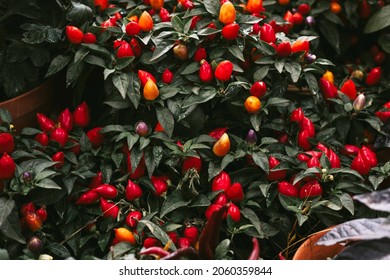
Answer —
294 69
191 68
177 23
279 65
347 202
58 250
261 73
162 48
157 232
166 120
379 20
366 251
236 52
11 227
6 206
212 6
173 202
222 250
119 250
57 64
278 101
261 160
255 120
384 42
121 81
38 33
133 91
205 94
79 13
4 255
253 218
331 34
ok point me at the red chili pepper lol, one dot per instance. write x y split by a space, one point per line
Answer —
183 242
132 191
234 212
32 221
192 233
300 46
97 180
191 162
27 207
200 54
151 242
369 156
7 167
45 123
167 76
221 199
310 189
275 175
224 71
206 73
133 28
139 170
365 9
65 119
258 89
334 159
304 9
287 189
81 115
328 89
160 185
303 157
132 218
235 192
144 76
102 4
124 50
164 15
284 49
358 164
230 31
60 135
87 198
213 208
313 162
74 34
211 36
374 76
307 125
135 46
89 38
267 33
106 191
60 157
221 182
218 132
350 150
42 138
109 210
95 137
7 143
297 115
194 21
303 141
349 89
42 213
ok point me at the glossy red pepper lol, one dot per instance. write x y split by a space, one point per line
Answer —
224 71
211 209
221 199
7 143
106 191
364 9
87 198
191 162
284 49
33 222
369 156
133 28
374 76
160 185
95 137
42 138
133 191
7 167
89 38
328 89
218 132
27 207
102 4
313 162
135 46
235 192
200 54
65 119
258 89
360 165
303 141
310 189
152 242
287 189
124 50
139 171
304 8
275 175
74 34
60 157
254 6
81 115
132 218
300 46
164 15
206 73
109 210
334 159
307 125
267 33
350 150
45 123
297 115
60 135
167 76
234 212
349 89
230 31
192 233
42 213
144 76
221 182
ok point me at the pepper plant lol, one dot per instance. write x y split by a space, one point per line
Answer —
202 129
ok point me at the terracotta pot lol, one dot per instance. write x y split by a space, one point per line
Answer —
45 98
310 251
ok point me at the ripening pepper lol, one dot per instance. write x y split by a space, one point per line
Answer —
7 167
328 89
227 13
254 6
